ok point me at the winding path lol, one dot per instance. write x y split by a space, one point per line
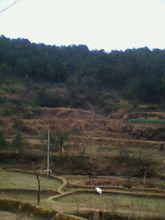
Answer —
148 193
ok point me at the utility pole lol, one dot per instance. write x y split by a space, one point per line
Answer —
48 153
47 170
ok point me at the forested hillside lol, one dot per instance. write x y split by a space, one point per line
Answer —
74 76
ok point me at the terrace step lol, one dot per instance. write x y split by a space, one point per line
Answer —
104 134
122 142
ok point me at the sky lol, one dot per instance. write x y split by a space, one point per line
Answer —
99 24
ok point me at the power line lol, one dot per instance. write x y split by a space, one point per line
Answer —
11 5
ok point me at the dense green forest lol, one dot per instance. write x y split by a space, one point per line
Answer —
74 76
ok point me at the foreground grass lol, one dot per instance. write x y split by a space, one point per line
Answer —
24 196
109 202
14 180
76 201
13 216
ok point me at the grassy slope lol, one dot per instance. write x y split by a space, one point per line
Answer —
83 200
15 180
109 202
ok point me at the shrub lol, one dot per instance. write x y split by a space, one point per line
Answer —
18 143
138 164
3 142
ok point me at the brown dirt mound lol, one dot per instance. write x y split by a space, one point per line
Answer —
74 120
118 125
68 113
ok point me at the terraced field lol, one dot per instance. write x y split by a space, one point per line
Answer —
15 180
64 198
110 202
97 137
92 129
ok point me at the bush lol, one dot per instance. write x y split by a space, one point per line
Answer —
137 165
3 142
155 134
18 143
48 99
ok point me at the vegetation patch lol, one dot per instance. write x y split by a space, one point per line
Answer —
146 121
111 202
99 214
25 195
16 180
6 215
16 207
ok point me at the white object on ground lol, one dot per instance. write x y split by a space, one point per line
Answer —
98 190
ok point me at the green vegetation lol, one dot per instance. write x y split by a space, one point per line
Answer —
110 202
9 215
3 142
59 138
25 196
153 133
25 209
18 143
146 121
15 180
41 75
22 187
37 75
140 164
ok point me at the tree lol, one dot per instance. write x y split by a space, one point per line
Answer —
18 143
59 139
3 142
76 77
140 164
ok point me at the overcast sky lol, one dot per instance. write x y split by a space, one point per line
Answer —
100 24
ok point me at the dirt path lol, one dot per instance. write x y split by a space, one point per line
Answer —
51 202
